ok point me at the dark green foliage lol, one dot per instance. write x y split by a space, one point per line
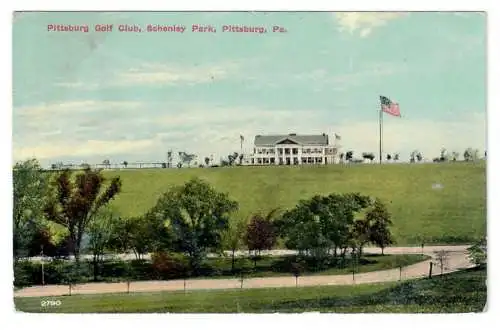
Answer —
478 252
75 202
196 215
30 186
261 233
169 266
379 220
324 223
140 235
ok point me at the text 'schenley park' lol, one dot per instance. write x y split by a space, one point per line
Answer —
249 162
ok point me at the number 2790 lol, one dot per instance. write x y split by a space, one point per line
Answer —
50 303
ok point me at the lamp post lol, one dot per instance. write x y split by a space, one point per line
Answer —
41 258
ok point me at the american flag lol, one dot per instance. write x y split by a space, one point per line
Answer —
338 137
389 107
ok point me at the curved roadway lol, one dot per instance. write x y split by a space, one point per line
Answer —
456 260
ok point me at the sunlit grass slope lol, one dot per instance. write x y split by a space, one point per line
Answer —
453 213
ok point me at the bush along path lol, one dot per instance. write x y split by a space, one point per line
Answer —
445 259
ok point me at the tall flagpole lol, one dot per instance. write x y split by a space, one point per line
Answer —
380 134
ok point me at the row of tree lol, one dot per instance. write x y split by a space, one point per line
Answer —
193 219
416 156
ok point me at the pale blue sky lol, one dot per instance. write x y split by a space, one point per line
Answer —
128 96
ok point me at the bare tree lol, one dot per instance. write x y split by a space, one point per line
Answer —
442 257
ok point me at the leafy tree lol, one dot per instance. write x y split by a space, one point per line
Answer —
468 154
101 231
29 190
419 156
341 157
444 155
349 155
368 155
196 215
186 158
261 233
360 235
322 223
76 202
413 156
125 163
396 157
106 163
207 161
380 220
232 239
454 156
140 235
388 157
240 157
232 158
478 252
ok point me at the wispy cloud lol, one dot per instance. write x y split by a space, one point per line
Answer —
363 23
342 81
157 73
72 107
85 149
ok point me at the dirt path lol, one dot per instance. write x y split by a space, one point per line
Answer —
457 260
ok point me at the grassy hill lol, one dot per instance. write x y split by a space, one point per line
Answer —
455 213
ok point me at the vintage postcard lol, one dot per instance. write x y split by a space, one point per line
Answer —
249 162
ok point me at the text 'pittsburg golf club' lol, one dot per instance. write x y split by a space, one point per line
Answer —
173 28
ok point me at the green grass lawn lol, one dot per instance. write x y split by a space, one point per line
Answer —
454 214
463 291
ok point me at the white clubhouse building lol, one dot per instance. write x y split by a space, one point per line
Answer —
292 149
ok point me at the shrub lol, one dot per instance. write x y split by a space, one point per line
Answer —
168 265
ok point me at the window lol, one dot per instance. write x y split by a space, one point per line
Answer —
304 160
259 160
319 160
287 151
295 161
295 151
272 160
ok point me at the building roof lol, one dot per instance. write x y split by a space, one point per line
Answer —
271 140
